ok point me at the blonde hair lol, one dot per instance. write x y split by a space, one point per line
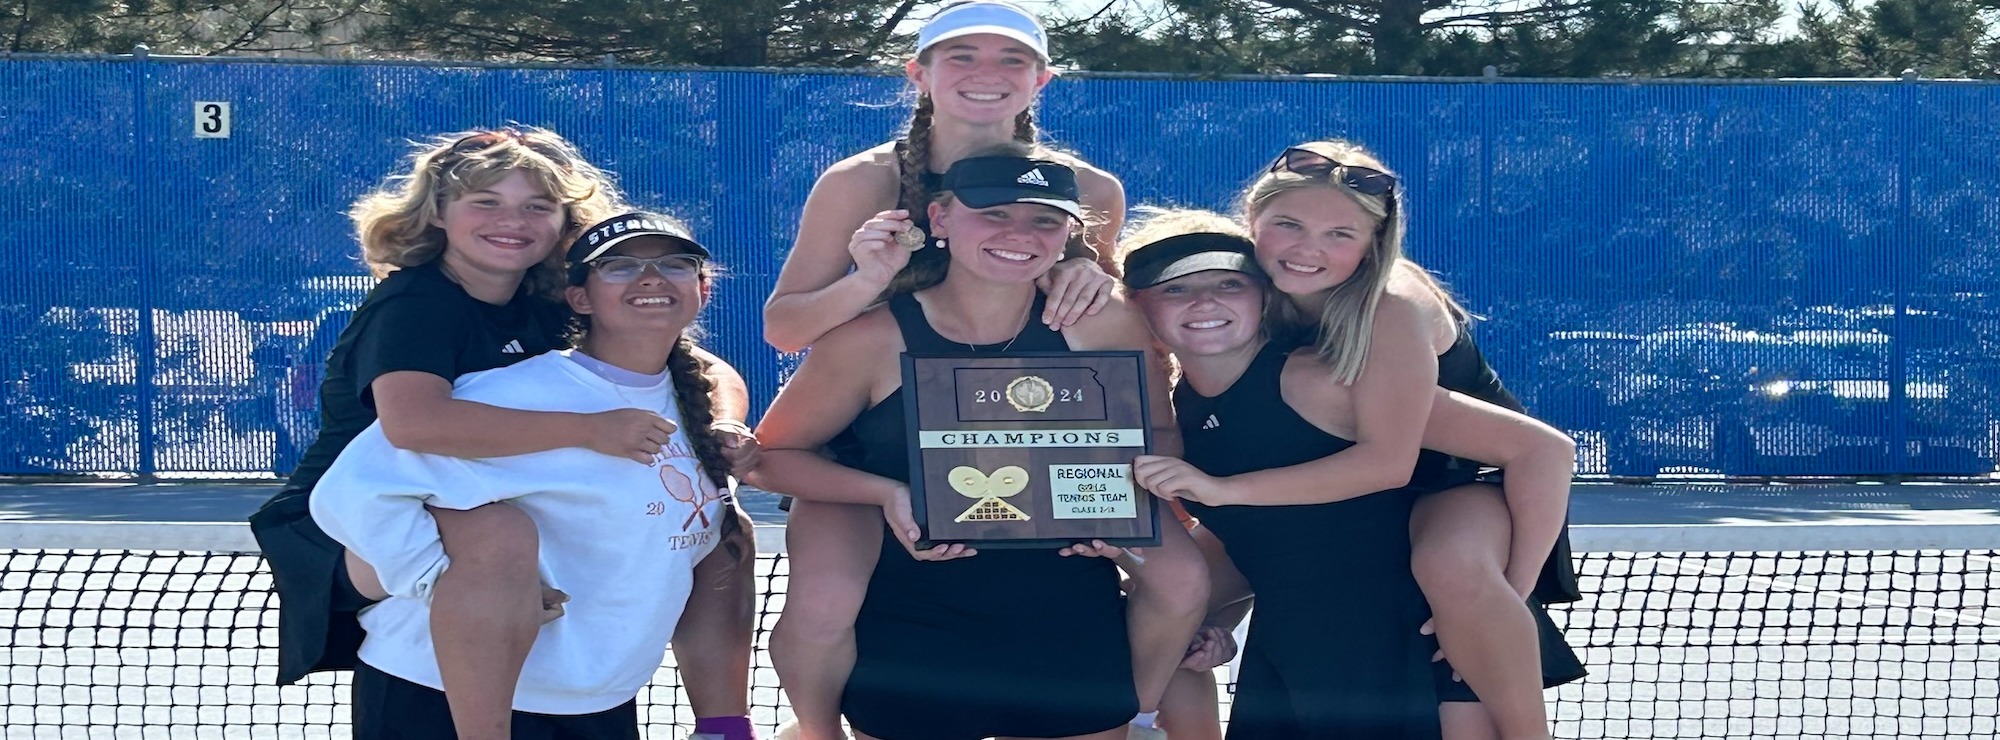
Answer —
1343 324
396 222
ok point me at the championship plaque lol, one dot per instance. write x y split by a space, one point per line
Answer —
1029 449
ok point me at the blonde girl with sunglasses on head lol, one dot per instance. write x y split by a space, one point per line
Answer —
1327 221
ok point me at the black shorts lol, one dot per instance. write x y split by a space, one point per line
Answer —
317 601
390 708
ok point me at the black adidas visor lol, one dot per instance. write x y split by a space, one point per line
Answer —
1179 256
985 182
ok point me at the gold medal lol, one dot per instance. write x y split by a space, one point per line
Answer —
911 238
1030 393
989 489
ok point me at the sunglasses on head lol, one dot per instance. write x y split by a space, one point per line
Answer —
481 141
624 269
1363 180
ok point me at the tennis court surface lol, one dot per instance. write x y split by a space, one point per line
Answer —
1710 612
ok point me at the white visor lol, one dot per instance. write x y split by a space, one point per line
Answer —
999 19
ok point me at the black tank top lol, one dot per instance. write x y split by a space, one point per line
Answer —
1338 608
1000 589
1463 368
1301 548
877 440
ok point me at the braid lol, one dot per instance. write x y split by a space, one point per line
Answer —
927 266
1025 130
691 389
917 154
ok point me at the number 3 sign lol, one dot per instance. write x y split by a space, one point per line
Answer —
211 119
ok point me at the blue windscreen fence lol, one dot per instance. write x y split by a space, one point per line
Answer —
1768 279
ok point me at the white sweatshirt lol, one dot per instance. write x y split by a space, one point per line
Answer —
620 537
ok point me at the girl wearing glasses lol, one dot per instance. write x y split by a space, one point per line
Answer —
953 644
1327 219
619 535
465 244
865 236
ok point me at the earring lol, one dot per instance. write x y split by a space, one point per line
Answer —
939 243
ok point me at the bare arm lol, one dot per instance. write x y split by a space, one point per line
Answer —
816 291
1391 401
419 414
1104 196
832 387
731 397
1540 462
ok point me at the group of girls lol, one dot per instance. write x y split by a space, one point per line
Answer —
520 495
1360 539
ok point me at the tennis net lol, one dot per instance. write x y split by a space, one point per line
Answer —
1753 631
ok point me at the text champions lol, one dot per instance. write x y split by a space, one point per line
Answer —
1033 438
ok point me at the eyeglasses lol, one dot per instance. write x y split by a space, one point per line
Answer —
625 269
1363 180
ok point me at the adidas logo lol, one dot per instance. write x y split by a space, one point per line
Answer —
1034 177
1212 423
512 347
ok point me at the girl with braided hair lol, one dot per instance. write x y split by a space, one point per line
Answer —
865 236
978 68
949 643
621 538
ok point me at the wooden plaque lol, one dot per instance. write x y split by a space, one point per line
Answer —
1029 449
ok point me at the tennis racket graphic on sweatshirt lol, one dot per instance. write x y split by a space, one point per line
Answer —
685 491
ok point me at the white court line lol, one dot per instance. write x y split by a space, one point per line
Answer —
1793 586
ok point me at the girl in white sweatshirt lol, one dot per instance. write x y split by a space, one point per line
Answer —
619 537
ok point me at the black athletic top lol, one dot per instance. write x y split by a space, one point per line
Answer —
1463 368
1015 643
1338 610
416 319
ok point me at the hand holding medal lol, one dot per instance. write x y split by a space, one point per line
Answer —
883 244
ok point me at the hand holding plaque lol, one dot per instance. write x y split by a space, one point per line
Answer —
1028 449
902 523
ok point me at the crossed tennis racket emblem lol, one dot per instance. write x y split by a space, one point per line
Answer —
970 482
686 491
